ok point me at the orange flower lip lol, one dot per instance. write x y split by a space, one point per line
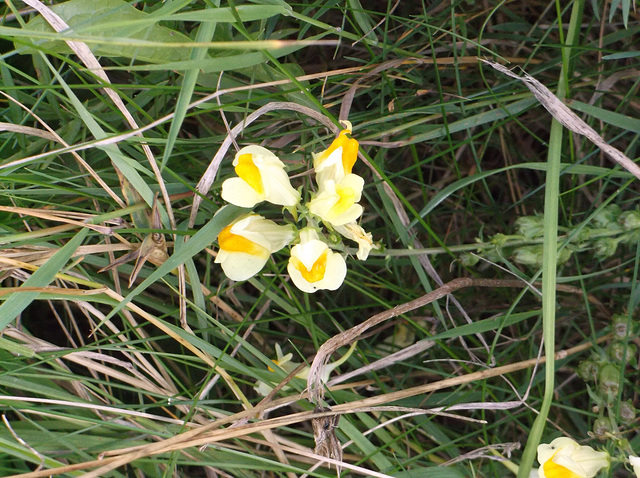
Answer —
247 170
316 272
349 147
234 243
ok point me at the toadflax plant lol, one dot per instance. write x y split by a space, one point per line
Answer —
314 264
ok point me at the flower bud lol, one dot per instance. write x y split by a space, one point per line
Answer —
533 256
587 370
584 237
609 380
530 226
605 247
469 260
564 255
620 326
622 352
602 427
528 255
493 254
630 220
606 215
627 412
499 240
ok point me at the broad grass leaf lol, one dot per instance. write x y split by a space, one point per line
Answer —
114 19
119 20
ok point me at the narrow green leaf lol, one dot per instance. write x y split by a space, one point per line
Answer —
444 193
205 34
431 472
363 443
622 55
625 122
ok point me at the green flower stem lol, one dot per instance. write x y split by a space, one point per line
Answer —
507 242
550 248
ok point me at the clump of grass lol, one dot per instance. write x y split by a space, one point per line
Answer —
119 142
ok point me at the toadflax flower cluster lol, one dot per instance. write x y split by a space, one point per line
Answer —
247 243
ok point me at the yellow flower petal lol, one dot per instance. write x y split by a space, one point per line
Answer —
349 155
347 198
261 177
336 203
247 243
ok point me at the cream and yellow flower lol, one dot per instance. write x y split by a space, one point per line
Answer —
336 203
565 458
337 160
282 361
635 463
261 177
313 266
286 364
247 243
355 233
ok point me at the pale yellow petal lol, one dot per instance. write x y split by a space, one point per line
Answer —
357 234
240 266
336 203
236 191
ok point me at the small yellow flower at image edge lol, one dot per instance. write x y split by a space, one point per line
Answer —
288 365
282 361
635 463
565 458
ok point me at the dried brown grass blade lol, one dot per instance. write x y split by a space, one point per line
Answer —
18 128
315 386
568 118
52 215
212 432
